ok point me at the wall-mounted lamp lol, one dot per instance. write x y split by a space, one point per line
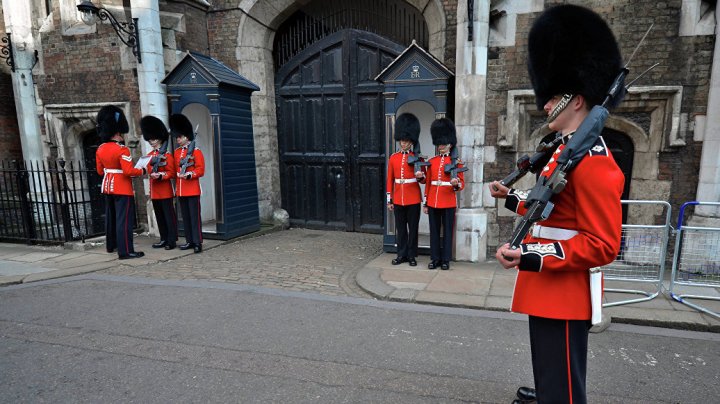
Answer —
90 14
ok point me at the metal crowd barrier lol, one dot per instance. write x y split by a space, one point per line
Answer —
642 254
696 261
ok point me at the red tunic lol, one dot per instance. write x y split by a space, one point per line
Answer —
189 187
553 281
162 188
439 193
398 172
114 163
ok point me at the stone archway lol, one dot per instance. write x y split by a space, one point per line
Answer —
256 32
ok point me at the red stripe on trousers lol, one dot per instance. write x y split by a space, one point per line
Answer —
567 354
199 223
127 208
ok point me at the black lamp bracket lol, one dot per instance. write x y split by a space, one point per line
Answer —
122 29
6 51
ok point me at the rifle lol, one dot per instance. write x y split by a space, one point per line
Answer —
416 159
453 168
538 202
532 164
159 160
189 159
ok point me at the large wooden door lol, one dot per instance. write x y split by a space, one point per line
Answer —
623 150
331 132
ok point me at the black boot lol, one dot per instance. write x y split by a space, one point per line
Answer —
136 254
526 395
161 244
187 246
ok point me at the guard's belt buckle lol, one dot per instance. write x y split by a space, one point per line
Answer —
405 180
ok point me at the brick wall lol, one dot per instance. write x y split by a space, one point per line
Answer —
86 68
223 26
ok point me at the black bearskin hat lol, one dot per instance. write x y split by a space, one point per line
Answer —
443 132
572 50
180 126
407 127
153 129
111 120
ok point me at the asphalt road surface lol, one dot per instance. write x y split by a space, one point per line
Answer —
104 338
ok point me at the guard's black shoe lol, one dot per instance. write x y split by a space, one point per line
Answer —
445 266
433 265
412 262
197 248
136 254
170 246
398 260
161 244
187 246
526 394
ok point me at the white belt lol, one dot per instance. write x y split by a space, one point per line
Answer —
552 233
113 171
596 295
405 180
441 183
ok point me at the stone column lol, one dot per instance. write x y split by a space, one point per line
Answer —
18 22
709 181
151 72
470 91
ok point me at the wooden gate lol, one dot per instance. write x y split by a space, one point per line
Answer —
331 132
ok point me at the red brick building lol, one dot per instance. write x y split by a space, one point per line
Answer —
317 119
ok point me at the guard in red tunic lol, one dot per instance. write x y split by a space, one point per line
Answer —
573 60
113 162
161 169
403 191
190 165
440 198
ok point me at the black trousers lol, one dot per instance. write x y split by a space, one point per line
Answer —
442 218
192 224
407 220
559 359
119 221
166 219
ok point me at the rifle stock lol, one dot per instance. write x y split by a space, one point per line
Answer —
186 161
159 160
416 159
453 168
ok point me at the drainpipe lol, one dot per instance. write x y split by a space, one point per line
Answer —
18 21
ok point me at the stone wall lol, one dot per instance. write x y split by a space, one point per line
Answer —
684 61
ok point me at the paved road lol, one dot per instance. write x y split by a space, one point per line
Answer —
100 338
295 259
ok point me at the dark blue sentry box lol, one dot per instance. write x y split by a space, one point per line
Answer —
216 99
418 83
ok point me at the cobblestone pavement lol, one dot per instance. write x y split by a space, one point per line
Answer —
296 259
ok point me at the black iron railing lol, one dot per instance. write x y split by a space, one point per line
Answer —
51 202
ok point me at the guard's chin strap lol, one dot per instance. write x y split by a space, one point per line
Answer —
560 106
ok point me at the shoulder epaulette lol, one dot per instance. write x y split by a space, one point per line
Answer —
599 149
